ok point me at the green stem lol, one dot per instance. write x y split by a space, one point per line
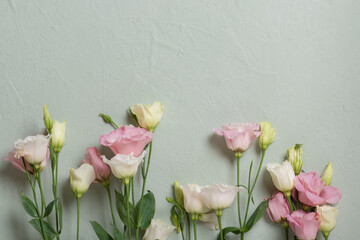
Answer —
326 237
54 165
43 204
142 191
253 186
78 217
220 227
194 224
242 236
132 190
189 225
286 229
289 201
107 186
182 233
127 186
238 184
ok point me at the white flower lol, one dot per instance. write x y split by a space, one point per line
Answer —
327 215
283 176
81 178
148 116
58 135
158 230
219 196
210 220
193 200
32 148
124 166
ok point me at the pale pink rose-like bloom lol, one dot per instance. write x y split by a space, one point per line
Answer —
304 225
102 170
219 196
278 207
126 140
193 200
18 163
312 190
238 136
32 148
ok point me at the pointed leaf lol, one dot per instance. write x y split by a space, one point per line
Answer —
29 206
49 208
100 231
257 214
147 212
234 230
48 229
117 234
122 211
60 215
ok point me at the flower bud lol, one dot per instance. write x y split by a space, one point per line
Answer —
267 135
148 116
58 135
294 155
327 174
327 215
81 178
175 219
47 119
283 176
179 196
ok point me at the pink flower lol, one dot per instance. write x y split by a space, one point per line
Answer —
238 136
102 170
18 163
126 140
313 192
304 225
278 207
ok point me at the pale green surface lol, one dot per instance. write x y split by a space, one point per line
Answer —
294 63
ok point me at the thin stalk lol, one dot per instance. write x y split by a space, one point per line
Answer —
107 186
289 201
253 186
189 225
238 185
78 217
194 224
242 236
132 190
55 165
220 227
43 204
127 186
286 229
182 233
143 189
35 199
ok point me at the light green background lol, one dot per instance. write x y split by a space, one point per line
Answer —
294 63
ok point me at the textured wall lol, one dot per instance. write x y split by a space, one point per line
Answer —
293 63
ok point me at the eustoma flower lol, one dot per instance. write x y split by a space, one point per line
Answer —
193 200
210 220
124 166
158 230
81 178
18 163
267 135
304 225
327 215
326 176
148 116
126 140
58 135
238 136
219 196
32 148
283 176
313 192
278 208
102 170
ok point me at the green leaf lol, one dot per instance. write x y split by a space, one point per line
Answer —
257 214
48 229
49 208
121 208
29 206
100 231
133 116
117 234
60 215
234 230
147 212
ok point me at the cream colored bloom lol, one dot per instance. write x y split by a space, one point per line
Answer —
267 135
81 178
327 215
148 116
58 135
158 230
193 200
283 176
124 166
32 148
219 196
326 176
